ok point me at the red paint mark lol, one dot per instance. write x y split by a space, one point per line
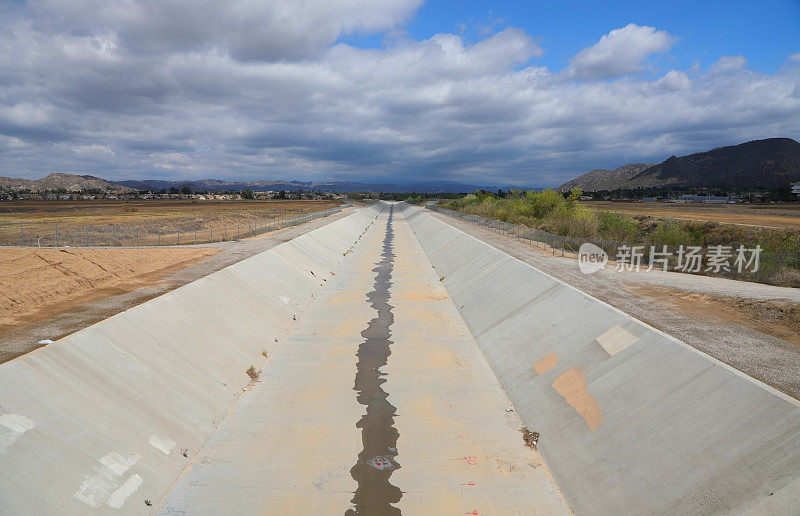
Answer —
474 513
461 437
468 484
470 460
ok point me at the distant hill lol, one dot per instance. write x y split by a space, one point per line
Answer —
57 181
215 185
602 179
759 164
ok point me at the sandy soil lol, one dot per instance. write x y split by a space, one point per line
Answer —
756 215
779 319
38 283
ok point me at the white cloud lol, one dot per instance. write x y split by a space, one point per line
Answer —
248 29
192 104
620 52
674 80
92 150
728 64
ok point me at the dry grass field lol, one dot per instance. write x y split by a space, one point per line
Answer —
773 216
133 223
124 212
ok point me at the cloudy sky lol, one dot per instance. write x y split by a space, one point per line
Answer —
527 93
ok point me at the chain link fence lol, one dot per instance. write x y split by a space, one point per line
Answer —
774 268
150 233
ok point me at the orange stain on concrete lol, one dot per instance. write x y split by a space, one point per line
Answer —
546 364
572 387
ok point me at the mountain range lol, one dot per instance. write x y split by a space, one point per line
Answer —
215 185
78 183
59 181
758 164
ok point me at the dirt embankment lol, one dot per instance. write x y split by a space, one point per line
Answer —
776 318
36 284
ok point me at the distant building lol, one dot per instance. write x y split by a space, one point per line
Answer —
714 199
650 199
796 188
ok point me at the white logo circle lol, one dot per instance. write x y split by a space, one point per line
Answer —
591 258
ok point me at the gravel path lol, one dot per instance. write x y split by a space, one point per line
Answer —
25 338
692 308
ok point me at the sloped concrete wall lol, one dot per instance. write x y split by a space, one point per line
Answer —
98 421
632 421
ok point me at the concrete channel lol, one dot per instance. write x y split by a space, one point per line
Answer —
399 360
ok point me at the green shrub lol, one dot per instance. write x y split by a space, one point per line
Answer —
617 226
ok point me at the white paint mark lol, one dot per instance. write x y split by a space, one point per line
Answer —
117 464
162 444
118 497
97 488
16 423
616 339
45 341
12 426
285 300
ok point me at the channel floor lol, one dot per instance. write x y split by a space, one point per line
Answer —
291 445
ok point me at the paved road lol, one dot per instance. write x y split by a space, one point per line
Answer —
378 401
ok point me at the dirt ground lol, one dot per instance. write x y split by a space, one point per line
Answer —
779 319
786 216
133 223
121 212
39 283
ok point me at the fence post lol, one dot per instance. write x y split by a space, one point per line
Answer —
137 236
211 233
22 233
114 232
57 235
178 228
158 230
195 232
87 235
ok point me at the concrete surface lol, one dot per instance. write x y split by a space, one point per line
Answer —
154 406
107 417
631 420
289 445
749 340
